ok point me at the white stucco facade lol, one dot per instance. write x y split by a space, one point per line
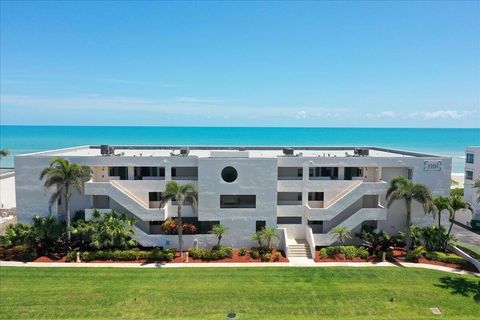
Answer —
7 189
472 173
304 194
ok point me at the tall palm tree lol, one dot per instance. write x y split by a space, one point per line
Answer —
4 153
179 193
457 203
442 203
65 176
402 188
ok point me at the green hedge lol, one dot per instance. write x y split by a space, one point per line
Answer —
18 253
445 257
350 252
216 253
123 255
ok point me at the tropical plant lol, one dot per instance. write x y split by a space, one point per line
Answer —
219 230
109 230
415 253
435 238
341 234
258 237
170 226
376 241
457 192
441 204
15 235
402 188
179 193
269 234
4 153
65 176
46 234
457 203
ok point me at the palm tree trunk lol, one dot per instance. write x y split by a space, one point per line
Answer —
180 228
408 235
219 238
67 209
439 219
451 223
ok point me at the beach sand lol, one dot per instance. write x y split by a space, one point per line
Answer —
459 178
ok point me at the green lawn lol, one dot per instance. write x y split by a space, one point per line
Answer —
253 293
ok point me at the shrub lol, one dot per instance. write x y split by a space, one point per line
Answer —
255 254
170 227
125 255
415 253
2 252
71 256
158 254
266 257
445 257
242 251
350 252
362 253
278 255
22 252
216 253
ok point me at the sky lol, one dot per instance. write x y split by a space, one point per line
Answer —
302 64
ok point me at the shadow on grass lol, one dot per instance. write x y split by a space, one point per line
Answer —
461 286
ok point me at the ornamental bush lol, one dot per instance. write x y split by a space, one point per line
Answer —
266 257
350 252
123 255
415 253
21 252
242 251
255 254
445 257
216 253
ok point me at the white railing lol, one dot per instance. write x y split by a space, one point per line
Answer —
130 194
289 203
310 239
342 194
283 240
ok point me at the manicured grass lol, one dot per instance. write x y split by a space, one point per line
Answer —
253 293
471 249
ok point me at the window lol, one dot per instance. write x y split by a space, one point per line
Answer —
141 172
315 196
468 175
121 172
174 172
410 174
237 201
289 220
229 174
299 172
470 158
259 225
154 196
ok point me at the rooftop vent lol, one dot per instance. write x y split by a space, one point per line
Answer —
288 152
106 150
184 152
361 152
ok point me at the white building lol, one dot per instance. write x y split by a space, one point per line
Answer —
303 191
472 173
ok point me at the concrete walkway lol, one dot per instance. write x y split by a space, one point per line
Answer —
235 265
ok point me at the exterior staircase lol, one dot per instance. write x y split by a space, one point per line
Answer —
299 249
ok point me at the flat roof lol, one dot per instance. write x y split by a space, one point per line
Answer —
253 151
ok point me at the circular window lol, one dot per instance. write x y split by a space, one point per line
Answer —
229 174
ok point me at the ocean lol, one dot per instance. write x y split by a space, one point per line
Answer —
450 142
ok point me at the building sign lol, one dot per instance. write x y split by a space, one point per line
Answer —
432 165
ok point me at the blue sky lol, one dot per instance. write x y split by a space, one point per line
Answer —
362 64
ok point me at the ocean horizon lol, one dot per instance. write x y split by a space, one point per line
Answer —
21 139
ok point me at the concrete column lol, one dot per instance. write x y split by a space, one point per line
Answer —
131 173
341 173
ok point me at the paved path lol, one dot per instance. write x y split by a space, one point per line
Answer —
234 265
465 235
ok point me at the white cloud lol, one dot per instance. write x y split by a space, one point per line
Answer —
441 114
382 115
301 114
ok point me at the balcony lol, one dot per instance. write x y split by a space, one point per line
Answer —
290 173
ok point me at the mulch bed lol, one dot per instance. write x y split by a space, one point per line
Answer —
178 259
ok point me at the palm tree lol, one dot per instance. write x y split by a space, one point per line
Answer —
457 203
179 193
402 188
442 203
341 233
219 230
268 234
258 236
4 153
65 176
